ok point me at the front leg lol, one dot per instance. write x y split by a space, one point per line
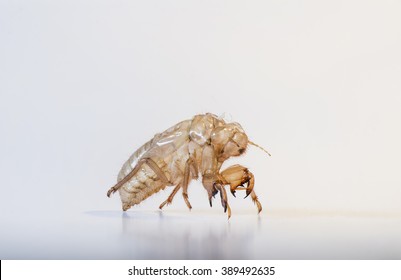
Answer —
213 184
236 176
209 182
211 179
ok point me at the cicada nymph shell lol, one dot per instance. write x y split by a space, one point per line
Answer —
194 147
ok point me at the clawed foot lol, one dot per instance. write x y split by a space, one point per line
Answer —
211 195
223 197
247 179
185 196
240 178
166 202
111 191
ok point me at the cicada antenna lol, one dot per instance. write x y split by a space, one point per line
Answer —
256 145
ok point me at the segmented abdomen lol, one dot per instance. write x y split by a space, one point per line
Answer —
143 184
169 150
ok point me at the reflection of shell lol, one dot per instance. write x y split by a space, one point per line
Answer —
152 235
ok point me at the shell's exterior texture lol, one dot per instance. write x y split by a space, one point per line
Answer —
183 152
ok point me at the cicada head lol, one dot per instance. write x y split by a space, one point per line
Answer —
229 140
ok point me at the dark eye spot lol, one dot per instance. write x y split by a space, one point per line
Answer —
241 150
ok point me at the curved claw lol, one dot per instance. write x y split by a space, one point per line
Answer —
185 196
223 203
248 191
110 191
223 195
210 199
233 193
250 185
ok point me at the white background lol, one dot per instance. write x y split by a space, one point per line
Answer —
317 83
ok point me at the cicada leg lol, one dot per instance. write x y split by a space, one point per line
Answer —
236 176
185 182
190 167
223 196
125 179
213 183
170 197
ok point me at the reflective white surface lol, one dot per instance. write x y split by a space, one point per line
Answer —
204 235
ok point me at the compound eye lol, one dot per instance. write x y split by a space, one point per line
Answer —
236 145
231 149
241 139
